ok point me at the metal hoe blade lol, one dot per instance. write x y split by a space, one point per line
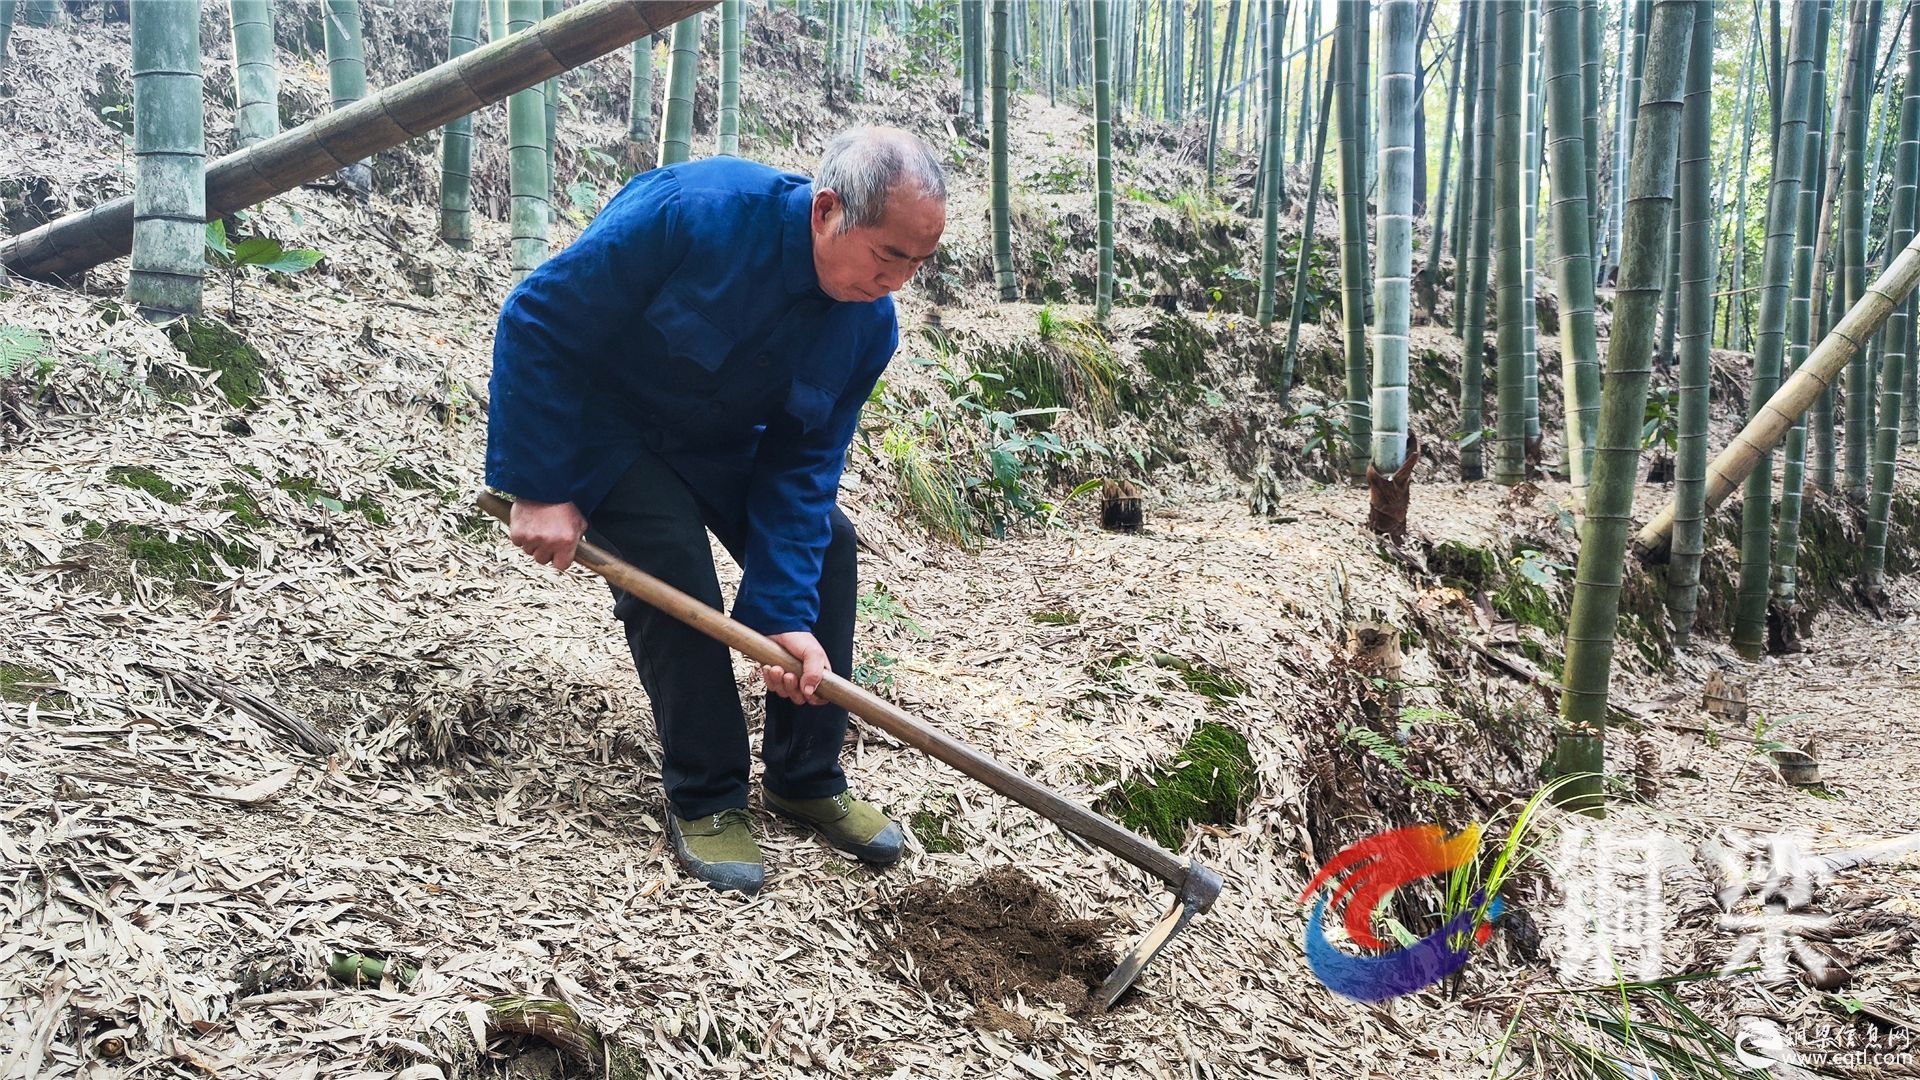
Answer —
1197 894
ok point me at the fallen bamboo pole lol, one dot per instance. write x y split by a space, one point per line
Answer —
416 107
1815 374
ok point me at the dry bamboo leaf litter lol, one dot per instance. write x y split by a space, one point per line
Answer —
490 813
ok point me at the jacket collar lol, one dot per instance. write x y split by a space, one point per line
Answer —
796 249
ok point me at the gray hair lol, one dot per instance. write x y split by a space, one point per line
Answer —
864 165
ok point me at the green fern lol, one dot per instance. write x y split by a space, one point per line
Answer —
22 349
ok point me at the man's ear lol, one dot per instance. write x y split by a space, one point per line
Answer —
826 203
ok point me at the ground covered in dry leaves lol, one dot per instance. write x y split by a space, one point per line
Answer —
274 694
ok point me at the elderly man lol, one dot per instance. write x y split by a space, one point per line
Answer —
697 361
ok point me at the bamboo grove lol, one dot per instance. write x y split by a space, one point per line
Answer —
1664 178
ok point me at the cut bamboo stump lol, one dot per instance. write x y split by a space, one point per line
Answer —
1725 699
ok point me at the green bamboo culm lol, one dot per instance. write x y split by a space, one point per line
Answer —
1694 334
1299 291
1438 239
1572 242
256 82
1853 235
1894 363
1353 237
683 69
1579 742
1218 90
640 94
1823 471
1783 196
40 13
456 143
1002 206
169 162
1473 322
1270 196
1393 273
1908 429
550 94
859 50
347 74
974 38
731 14
1470 29
1734 335
496 19
6 27
1530 139
1590 49
1786 543
1103 153
1510 460
527 157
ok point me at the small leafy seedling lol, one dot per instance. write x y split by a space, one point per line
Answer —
262 251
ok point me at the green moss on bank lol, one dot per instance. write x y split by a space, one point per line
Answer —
143 478
180 559
214 346
1209 782
24 684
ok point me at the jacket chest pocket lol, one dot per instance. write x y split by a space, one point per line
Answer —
695 345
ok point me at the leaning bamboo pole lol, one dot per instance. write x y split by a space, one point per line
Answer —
355 132
1773 419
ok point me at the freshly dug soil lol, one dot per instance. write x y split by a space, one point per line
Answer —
999 935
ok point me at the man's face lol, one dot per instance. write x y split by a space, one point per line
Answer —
869 262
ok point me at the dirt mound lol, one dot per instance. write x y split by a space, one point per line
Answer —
999 935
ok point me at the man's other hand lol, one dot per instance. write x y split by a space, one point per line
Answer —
546 531
800 688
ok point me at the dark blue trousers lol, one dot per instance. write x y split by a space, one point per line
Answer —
655 520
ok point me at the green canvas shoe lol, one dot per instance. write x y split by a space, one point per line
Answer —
719 850
849 824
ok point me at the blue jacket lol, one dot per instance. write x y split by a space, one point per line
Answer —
687 320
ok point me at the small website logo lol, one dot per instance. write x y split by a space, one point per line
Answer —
1372 869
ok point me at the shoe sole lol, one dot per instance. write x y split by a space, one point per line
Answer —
844 849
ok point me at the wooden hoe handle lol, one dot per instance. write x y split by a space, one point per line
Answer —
1057 808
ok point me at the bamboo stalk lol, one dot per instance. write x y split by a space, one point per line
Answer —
531 194
410 109
1473 320
1573 243
256 113
1001 208
1353 238
1783 195
456 140
1695 333
1510 461
1393 270
169 155
640 94
1597 580
1298 302
1894 361
1103 151
683 71
1786 546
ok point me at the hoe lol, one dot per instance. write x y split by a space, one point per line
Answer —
1194 886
